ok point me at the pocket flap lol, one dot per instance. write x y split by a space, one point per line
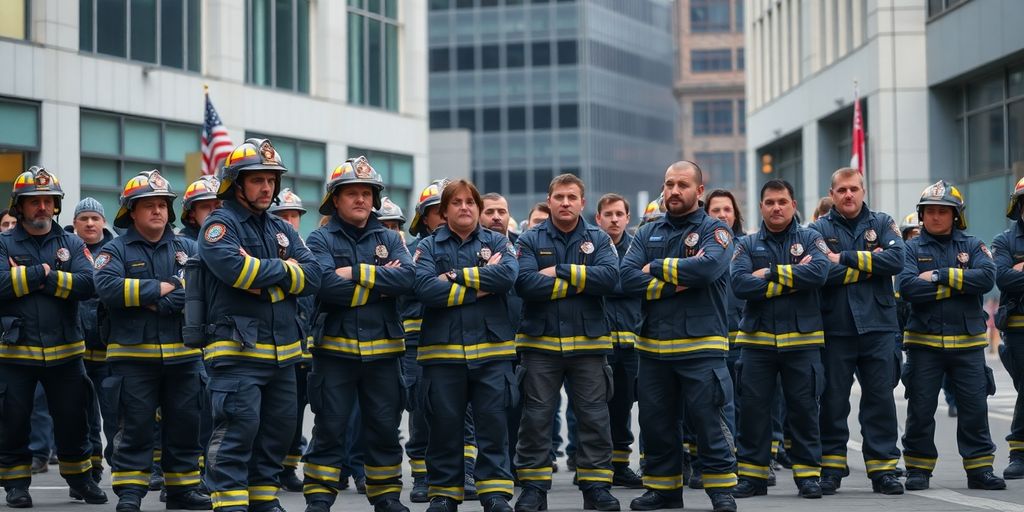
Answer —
223 385
246 329
11 329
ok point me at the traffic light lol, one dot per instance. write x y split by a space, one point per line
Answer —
766 164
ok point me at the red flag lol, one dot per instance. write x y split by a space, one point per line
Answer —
214 143
857 157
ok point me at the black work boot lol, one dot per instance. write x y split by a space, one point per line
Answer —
657 500
128 502
887 484
696 477
722 502
1015 471
469 487
88 491
809 488
748 487
830 483
987 481
626 477
917 480
290 481
389 504
418 494
532 499
189 500
496 504
19 498
442 504
599 499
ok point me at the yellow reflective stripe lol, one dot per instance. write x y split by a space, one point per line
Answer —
623 338
298 278
276 294
559 344
466 352
118 478
774 290
1015 321
802 471
360 296
717 480
131 293
456 493
874 466
418 465
620 455
64 283
186 478
753 470
1016 446
560 289
833 461
262 493
682 345
956 341
670 270
317 489
15 472
250 266
919 462
19 280
654 288
578 276
291 461
979 462
534 474
956 278
230 498
471 277
382 472
489 486
943 292
318 472
374 490
151 350
264 351
785 273
593 475
367 275
783 340
851 276
412 324
365 348
456 295
36 353
864 261
74 467
469 451
664 483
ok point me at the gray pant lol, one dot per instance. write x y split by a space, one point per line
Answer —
590 382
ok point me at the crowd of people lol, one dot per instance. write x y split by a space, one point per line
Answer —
186 359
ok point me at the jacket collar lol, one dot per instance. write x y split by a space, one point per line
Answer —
443 233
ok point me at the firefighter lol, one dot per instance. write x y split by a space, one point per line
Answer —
139 280
945 277
199 200
46 272
1008 250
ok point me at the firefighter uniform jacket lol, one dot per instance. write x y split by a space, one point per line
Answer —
692 251
39 312
621 309
362 319
251 299
459 326
565 314
143 325
947 314
783 311
1007 251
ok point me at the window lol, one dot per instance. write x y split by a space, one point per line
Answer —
277 44
541 54
440 119
373 53
568 115
516 118
438 5
566 53
741 62
541 117
464 4
517 181
936 7
515 55
161 32
709 16
712 117
14 23
738 13
19 142
992 123
114 148
741 114
307 166
541 180
719 169
440 60
492 119
465 58
491 182
705 61
467 119
490 56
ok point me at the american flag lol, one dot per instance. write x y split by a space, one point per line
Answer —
215 143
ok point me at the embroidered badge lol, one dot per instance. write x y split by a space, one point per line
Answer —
381 251
963 257
215 232
587 247
181 257
63 254
723 237
485 253
692 239
870 235
821 246
797 249
102 260
282 240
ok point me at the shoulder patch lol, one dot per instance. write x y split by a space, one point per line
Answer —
894 228
214 232
102 260
820 244
723 237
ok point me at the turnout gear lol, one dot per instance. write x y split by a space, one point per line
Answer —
145 184
945 337
355 171
781 334
859 313
682 343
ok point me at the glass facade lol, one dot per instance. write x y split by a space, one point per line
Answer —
19 142
116 147
277 44
307 171
160 32
373 53
546 88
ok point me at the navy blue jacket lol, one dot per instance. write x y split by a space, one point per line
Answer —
39 312
734 306
565 314
95 348
459 326
621 309
947 314
783 311
189 232
1008 250
362 319
858 297
144 326
251 298
411 309
691 322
